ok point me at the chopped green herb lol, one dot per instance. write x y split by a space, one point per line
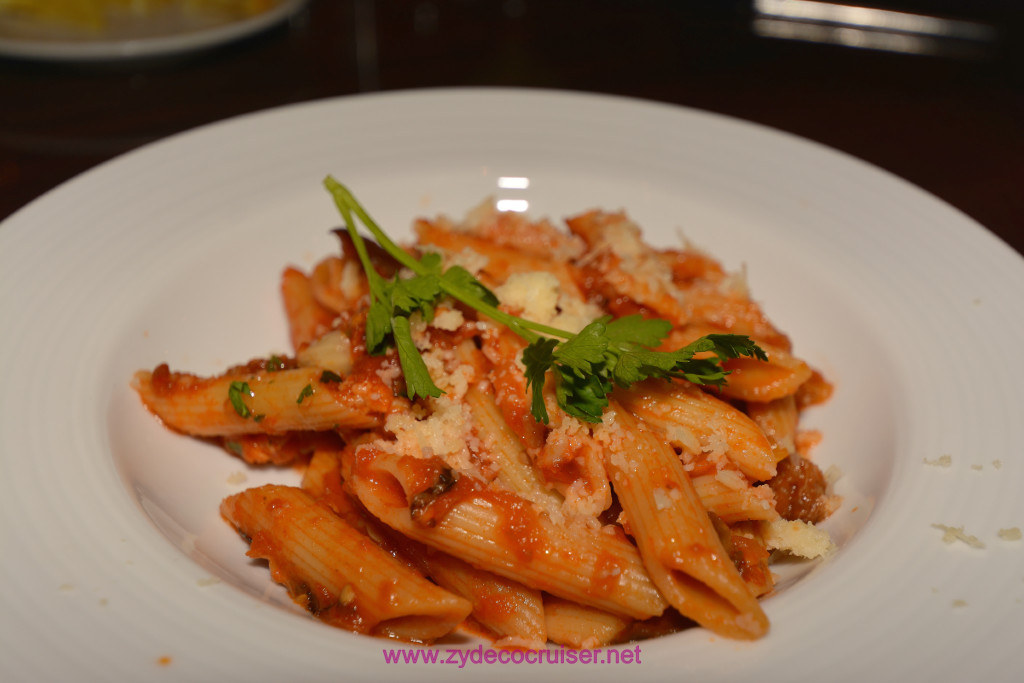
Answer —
306 392
327 377
587 365
275 364
235 393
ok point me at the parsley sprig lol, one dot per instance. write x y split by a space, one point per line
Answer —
587 365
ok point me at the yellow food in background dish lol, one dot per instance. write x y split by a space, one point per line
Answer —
95 15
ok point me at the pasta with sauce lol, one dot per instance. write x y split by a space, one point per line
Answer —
417 517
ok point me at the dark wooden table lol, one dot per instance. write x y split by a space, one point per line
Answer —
946 114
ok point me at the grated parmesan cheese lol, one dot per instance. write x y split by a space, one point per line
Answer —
534 293
445 432
351 281
736 284
1011 534
797 538
482 213
448 319
471 260
538 296
951 534
331 351
624 239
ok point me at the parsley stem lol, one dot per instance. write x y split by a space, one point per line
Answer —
348 204
527 329
374 278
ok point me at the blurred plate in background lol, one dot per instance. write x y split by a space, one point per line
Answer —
119 29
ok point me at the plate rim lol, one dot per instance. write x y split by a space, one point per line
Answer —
963 219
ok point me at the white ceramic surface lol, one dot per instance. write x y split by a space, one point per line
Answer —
163 33
116 565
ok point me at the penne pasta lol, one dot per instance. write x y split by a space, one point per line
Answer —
507 609
778 420
711 307
483 449
579 626
733 499
507 454
749 379
512 612
502 350
277 449
336 572
621 266
695 421
501 260
677 540
264 403
307 318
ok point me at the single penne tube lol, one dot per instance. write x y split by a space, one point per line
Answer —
501 261
307 318
690 265
751 379
322 475
335 571
338 284
267 402
513 229
572 461
580 626
707 305
730 496
694 420
503 349
508 609
277 449
496 530
677 540
619 264
506 452
778 420
754 380
745 543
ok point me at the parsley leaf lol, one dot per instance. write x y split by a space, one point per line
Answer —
538 358
417 378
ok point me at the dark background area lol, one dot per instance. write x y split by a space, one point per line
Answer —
945 113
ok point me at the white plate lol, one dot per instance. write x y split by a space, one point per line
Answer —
164 32
114 555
